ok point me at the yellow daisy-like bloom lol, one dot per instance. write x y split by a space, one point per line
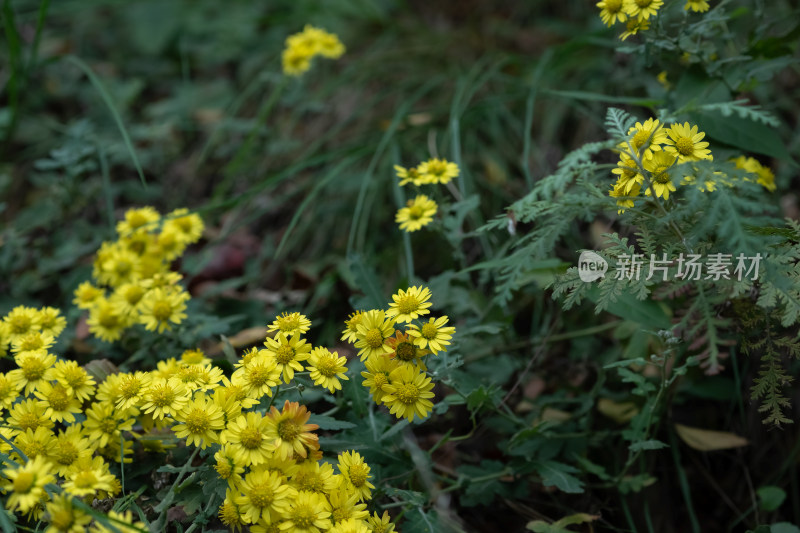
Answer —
35 340
38 443
659 167
611 12
195 357
288 431
290 323
75 379
634 26
159 307
248 439
116 266
345 506
408 175
437 171
20 321
377 375
296 61
685 142
230 514
350 525
3 339
58 403
126 298
64 517
28 414
405 352
228 466
105 321
104 423
350 331
123 522
645 138
88 476
628 173
380 524
188 226
417 213
35 368
765 176
26 484
408 393
70 446
9 391
164 397
309 512
355 474
264 495
170 244
373 332
433 335
698 6
258 374
312 476
642 9
624 194
200 420
327 369
131 389
410 304
51 322
287 352
136 219
199 377
86 295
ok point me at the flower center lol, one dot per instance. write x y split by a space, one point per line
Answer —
374 338
288 430
162 310
407 394
31 341
643 3
162 396
134 294
259 375
29 421
310 482
23 482
130 387
660 175
327 367
251 438
61 520
613 6
640 138
261 495
406 351
380 380
224 469
66 453
416 211
284 354
287 324
685 146
85 479
303 517
108 319
428 330
108 425
358 474
20 324
197 421
58 399
33 368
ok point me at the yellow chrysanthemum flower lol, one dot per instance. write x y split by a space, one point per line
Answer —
410 304
659 167
350 525
686 142
417 213
287 352
355 474
634 26
380 524
164 397
259 373
765 176
35 367
104 423
373 332
437 171
698 6
288 431
64 517
137 219
645 138
28 414
20 321
89 476
75 379
38 443
57 401
624 193
313 476
86 295
161 306
26 484
327 369
611 12
377 375
188 226
230 514
408 175
200 421
351 327
642 9
131 389
628 173
264 495
227 465
309 512
126 298
405 352
290 323
9 391
195 357
248 438
105 321
123 522
407 393
51 322
345 506
433 335
70 446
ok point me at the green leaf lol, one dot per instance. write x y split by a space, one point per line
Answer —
770 498
651 444
741 133
784 527
327 422
559 475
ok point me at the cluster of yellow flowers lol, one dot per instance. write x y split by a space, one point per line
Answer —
270 459
133 280
636 13
419 212
653 149
302 47
396 372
